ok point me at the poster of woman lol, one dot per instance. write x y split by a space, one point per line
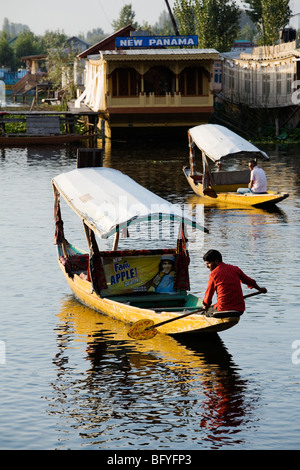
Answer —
164 279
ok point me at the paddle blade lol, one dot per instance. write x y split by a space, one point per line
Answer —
139 331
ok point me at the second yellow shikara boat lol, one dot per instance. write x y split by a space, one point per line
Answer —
129 285
216 144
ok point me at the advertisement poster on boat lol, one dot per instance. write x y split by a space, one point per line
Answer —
139 274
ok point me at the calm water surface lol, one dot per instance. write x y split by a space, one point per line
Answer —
72 378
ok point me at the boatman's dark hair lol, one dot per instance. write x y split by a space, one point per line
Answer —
212 255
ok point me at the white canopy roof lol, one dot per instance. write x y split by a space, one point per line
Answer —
107 200
218 142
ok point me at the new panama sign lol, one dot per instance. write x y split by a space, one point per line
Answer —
156 41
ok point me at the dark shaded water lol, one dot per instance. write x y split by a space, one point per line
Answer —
73 379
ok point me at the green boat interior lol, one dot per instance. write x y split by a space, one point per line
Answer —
177 301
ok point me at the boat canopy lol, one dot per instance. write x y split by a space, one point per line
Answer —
108 200
218 142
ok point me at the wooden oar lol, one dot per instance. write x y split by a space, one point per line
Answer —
146 329
253 293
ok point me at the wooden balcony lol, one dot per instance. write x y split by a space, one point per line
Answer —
167 101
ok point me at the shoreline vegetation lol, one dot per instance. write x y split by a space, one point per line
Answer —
267 135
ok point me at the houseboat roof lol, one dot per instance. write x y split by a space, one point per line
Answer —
106 43
218 142
159 54
108 200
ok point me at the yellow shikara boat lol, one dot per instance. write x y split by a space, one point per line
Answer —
148 285
218 143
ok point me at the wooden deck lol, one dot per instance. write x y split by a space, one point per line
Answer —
46 125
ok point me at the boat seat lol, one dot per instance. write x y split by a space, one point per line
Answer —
197 178
75 264
42 125
231 177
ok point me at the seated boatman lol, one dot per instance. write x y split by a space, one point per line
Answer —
225 280
258 180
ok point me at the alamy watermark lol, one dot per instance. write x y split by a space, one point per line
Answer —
296 353
158 221
2 352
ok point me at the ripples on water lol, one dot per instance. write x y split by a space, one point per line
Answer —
73 379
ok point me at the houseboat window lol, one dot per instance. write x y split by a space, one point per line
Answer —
159 80
217 72
266 84
278 84
231 80
247 83
218 77
190 81
288 83
126 82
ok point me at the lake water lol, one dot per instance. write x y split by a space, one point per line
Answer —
72 378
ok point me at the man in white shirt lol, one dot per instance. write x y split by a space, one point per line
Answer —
258 180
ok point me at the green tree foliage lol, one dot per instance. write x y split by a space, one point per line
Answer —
184 12
53 40
246 32
216 22
254 10
26 44
59 62
276 15
60 65
54 45
163 27
95 36
6 51
126 17
269 16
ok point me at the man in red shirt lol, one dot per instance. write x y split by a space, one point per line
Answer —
225 280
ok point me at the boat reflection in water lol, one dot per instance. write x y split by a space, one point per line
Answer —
159 393
228 220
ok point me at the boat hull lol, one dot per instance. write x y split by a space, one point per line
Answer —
227 195
197 323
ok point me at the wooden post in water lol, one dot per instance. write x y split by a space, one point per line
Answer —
277 127
103 133
89 158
